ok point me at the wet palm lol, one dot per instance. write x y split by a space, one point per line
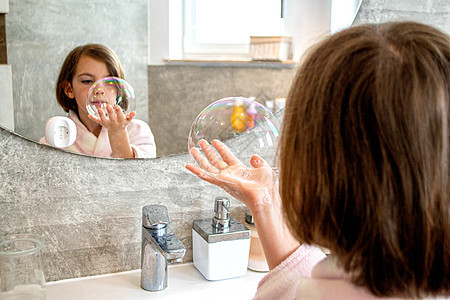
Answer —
254 187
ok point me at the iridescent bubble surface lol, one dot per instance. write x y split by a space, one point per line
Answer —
245 126
110 91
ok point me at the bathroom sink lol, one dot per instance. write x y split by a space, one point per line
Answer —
184 282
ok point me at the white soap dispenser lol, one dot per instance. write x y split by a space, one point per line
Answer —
221 244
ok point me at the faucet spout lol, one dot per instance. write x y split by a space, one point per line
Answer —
160 247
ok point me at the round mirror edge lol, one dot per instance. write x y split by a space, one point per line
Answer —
13 133
279 115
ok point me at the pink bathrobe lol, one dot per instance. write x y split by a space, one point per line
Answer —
309 274
139 133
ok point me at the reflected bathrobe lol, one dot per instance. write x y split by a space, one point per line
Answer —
139 133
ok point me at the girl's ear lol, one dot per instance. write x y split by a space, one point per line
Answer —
68 90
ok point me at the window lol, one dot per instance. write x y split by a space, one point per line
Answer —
218 29
221 29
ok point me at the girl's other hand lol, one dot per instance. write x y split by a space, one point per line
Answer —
115 120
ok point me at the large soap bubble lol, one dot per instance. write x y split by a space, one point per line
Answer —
245 126
110 91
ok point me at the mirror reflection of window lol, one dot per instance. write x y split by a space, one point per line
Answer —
217 28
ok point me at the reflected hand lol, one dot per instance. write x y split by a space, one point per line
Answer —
115 120
256 187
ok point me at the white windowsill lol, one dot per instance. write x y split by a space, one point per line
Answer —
240 63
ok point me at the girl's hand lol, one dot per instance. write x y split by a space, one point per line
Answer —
256 187
116 123
115 120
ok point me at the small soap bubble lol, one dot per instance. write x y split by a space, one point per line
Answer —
245 126
110 91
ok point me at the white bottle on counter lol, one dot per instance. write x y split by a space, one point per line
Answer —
256 258
220 245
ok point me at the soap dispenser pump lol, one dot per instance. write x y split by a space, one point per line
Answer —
221 244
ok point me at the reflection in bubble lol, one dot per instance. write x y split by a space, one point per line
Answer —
110 91
245 126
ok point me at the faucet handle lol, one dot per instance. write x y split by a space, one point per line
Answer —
154 216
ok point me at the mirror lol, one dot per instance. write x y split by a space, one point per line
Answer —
40 34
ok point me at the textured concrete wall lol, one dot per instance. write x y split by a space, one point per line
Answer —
89 209
177 94
40 34
432 12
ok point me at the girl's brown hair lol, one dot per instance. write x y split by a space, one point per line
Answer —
364 155
69 66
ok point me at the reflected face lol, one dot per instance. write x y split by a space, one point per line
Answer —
88 71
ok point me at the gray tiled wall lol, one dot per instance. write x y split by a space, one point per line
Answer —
89 209
178 93
432 12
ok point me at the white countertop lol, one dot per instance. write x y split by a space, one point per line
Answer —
184 282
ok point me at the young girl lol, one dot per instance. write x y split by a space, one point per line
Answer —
364 170
112 133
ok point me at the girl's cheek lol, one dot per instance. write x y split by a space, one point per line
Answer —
81 99
84 94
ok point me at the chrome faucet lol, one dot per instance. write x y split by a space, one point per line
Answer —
160 247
